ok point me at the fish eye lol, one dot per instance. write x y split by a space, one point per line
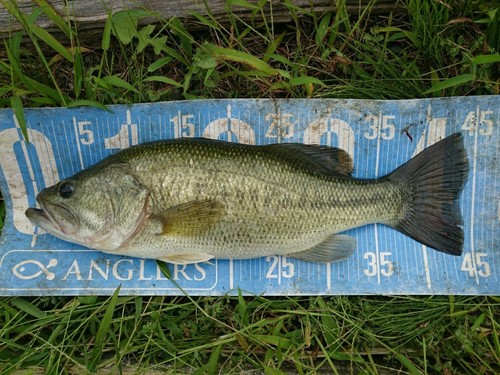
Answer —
66 189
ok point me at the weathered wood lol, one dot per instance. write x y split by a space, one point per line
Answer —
90 16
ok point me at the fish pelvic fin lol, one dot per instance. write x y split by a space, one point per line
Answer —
333 248
434 180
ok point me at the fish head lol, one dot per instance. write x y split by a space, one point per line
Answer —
101 207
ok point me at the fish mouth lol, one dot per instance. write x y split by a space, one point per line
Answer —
65 222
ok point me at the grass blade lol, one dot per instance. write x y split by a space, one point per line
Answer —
306 80
210 23
486 59
164 269
451 82
50 12
213 361
408 364
159 44
17 107
88 103
28 308
52 42
163 79
159 63
228 54
118 82
106 35
104 326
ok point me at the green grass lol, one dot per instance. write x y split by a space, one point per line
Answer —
277 335
433 49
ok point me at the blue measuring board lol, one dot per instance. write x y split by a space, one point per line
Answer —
379 135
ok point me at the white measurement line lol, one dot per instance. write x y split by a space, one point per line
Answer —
57 152
473 197
69 169
198 125
377 159
377 262
496 273
229 125
328 131
408 259
426 268
434 132
100 135
279 269
78 142
231 274
93 154
159 127
329 276
349 265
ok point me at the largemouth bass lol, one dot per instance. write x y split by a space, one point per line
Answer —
190 200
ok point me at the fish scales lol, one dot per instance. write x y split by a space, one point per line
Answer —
269 204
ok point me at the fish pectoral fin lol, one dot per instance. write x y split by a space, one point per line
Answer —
333 248
187 258
189 219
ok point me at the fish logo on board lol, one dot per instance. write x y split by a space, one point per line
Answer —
32 268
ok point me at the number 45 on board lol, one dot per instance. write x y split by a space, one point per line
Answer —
476 264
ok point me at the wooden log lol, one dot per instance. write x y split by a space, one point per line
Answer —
89 16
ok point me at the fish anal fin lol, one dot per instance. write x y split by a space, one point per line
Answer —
318 158
333 248
189 219
187 258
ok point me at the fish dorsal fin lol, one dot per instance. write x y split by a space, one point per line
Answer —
189 219
333 248
317 158
187 258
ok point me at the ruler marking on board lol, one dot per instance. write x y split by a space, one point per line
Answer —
57 147
473 196
66 129
100 135
231 274
328 276
280 267
426 266
394 233
377 160
79 149
405 131
426 140
497 183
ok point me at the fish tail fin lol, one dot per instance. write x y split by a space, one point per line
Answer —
434 179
